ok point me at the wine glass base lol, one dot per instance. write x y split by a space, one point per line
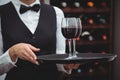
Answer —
71 56
76 52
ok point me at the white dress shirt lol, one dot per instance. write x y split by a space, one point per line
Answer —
2 2
30 19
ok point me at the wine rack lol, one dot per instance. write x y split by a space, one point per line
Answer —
96 37
96 16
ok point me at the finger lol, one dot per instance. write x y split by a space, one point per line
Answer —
66 66
69 66
33 48
76 66
37 63
28 57
31 53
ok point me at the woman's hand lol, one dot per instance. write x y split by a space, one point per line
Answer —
24 51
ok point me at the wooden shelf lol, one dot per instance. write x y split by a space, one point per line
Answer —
87 10
81 42
97 26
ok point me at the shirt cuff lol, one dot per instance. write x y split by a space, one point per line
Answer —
6 63
9 58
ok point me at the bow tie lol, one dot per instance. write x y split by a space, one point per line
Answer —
35 8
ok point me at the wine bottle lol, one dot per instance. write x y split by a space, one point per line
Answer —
102 18
103 4
100 34
86 35
88 19
88 3
77 3
59 3
104 37
64 4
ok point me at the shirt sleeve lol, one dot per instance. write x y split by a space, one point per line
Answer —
60 42
60 39
5 61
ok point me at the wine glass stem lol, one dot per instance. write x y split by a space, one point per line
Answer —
74 48
70 47
74 45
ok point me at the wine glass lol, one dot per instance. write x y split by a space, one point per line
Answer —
70 30
77 35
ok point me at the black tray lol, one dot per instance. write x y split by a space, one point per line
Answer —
82 58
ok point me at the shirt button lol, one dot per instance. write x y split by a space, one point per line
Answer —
33 37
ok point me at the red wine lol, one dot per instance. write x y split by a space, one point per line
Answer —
70 33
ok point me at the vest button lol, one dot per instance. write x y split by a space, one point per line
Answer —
33 37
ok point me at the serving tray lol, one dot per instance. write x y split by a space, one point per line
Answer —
81 58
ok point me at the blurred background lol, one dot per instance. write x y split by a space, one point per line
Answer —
100 34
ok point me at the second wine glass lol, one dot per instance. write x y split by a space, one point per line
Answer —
77 35
70 30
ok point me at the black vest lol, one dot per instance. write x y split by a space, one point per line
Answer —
14 31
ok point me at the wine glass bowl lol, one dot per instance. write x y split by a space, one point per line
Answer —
71 29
